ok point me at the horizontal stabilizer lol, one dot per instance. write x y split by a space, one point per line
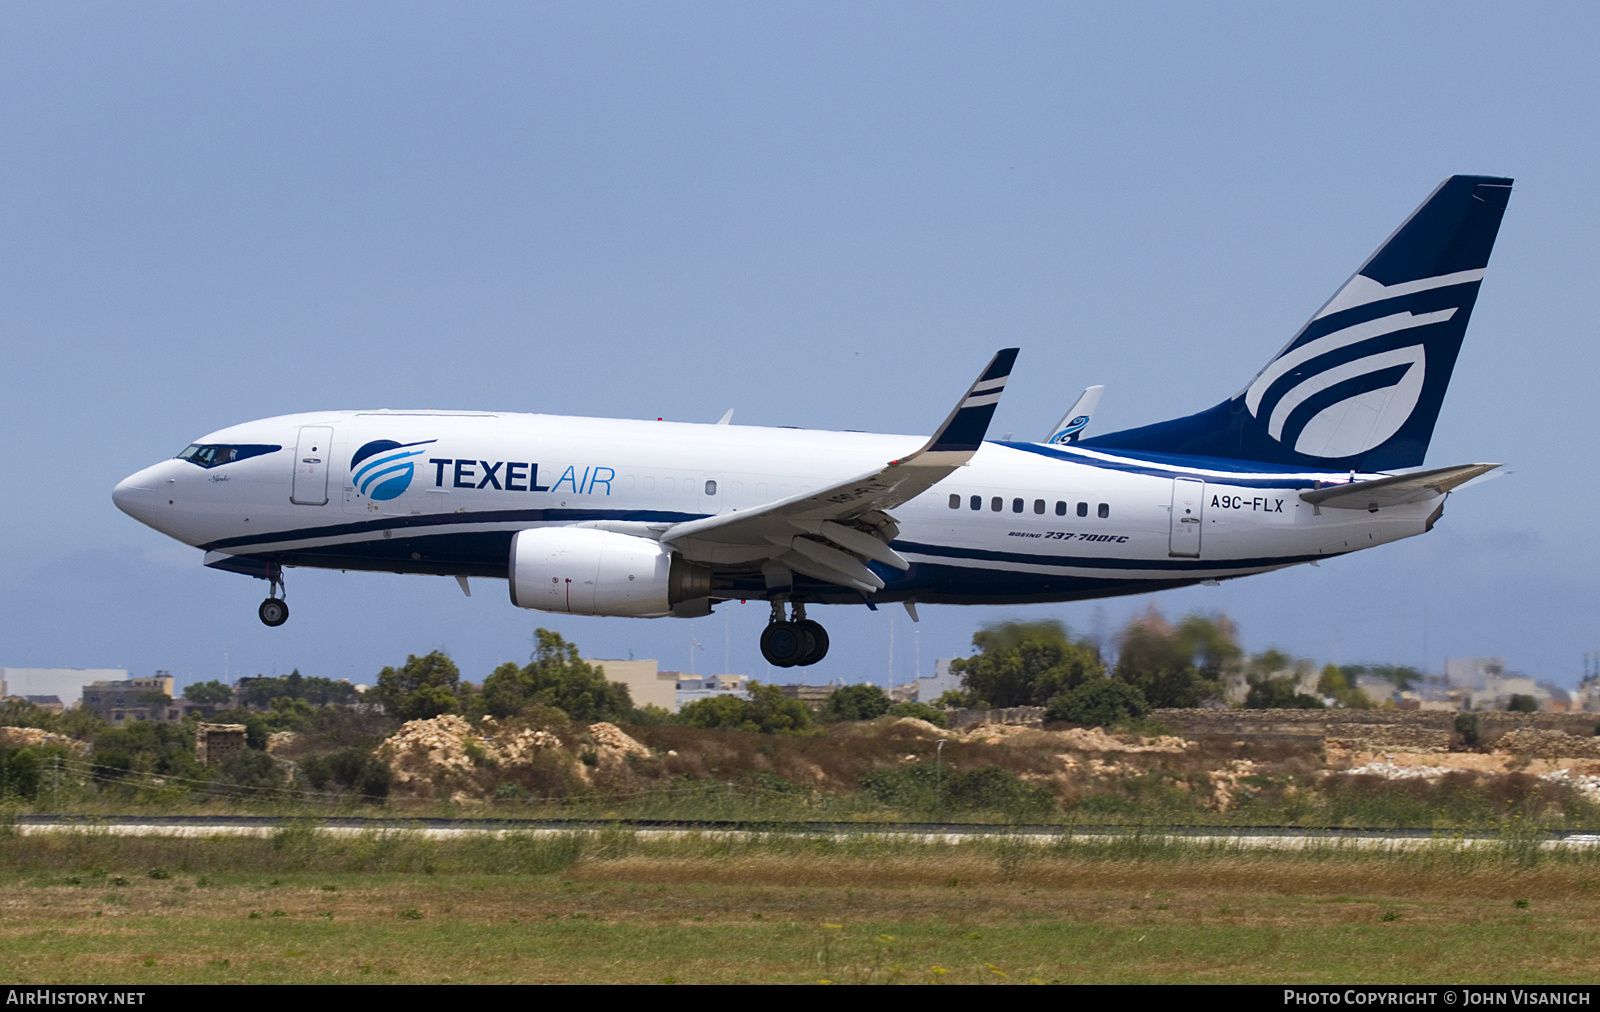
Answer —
1397 490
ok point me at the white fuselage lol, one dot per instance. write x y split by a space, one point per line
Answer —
1021 522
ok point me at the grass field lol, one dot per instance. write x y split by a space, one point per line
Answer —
303 906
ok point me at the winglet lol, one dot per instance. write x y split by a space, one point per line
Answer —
964 430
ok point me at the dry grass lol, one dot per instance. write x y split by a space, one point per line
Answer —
784 910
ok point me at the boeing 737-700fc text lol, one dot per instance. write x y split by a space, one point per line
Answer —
1317 456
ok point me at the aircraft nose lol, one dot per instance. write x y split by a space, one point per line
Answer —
135 494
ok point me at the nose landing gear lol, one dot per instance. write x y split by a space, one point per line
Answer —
274 611
798 642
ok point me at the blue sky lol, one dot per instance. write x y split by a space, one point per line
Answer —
825 215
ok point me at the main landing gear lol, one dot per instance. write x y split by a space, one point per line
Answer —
274 611
794 643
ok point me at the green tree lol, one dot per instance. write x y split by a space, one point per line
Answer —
212 693
147 746
350 769
1523 704
1273 677
248 774
775 713
727 713
25 771
1402 675
423 687
261 691
854 702
1099 702
80 723
556 677
1335 684
1025 664
767 710
1177 667
1278 692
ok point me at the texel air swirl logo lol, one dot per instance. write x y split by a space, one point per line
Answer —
1350 389
1074 427
383 468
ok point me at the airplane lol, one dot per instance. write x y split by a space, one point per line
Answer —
1072 425
1317 456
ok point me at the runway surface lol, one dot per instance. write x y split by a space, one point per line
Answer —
1242 838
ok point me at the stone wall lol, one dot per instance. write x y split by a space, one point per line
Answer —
1374 729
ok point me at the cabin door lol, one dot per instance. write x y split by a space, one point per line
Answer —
1188 510
312 452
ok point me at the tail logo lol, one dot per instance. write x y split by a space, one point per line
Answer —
385 474
1342 392
1072 428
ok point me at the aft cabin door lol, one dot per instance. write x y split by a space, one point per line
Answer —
1188 510
311 455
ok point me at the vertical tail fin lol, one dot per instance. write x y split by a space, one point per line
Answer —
1070 428
1360 386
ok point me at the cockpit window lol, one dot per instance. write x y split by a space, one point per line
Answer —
217 454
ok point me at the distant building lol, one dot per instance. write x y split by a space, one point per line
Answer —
943 680
815 697
1482 683
49 704
132 699
67 683
1381 690
691 688
1587 698
646 685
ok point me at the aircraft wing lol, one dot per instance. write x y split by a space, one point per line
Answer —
1396 490
825 533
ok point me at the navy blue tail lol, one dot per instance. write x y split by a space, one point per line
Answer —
1361 385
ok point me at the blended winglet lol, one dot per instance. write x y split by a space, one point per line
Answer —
964 430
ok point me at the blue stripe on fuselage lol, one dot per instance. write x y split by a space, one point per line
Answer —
1243 473
402 523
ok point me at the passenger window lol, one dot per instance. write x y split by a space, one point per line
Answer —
1105 510
1016 505
1038 506
996 503
955 501
1061 508
1083 509
977 502
711 488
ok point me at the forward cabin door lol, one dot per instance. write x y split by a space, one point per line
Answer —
1188 510
312 453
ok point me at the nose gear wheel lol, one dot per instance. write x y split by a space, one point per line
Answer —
274 611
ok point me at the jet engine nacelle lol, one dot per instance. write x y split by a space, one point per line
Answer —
583 571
